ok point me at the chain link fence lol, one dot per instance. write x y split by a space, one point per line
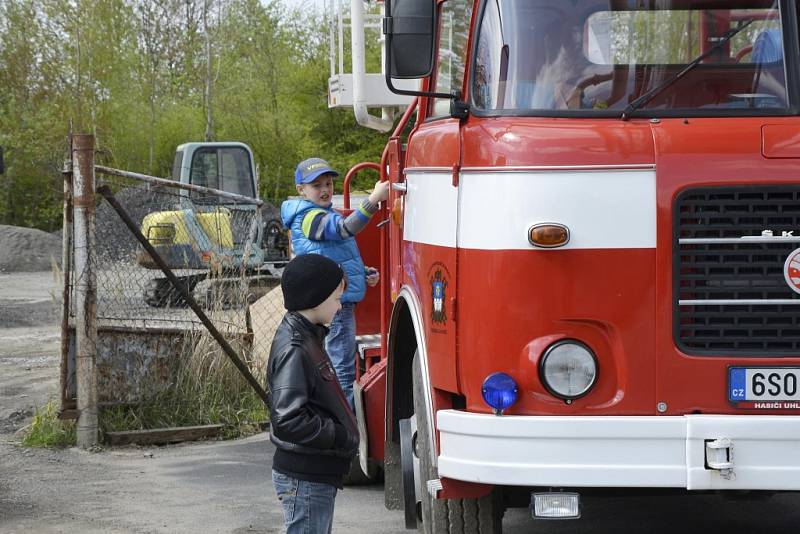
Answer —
156 364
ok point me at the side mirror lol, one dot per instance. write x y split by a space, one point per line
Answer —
2 165
409 29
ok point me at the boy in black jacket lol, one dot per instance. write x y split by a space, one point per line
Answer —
312 425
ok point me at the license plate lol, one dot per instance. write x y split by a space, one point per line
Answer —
766 387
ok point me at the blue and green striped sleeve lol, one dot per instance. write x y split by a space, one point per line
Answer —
323 225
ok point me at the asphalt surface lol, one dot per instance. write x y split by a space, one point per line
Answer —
225 487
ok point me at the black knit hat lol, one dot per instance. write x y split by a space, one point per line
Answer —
308 280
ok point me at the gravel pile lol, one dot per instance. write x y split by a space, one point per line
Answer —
30 250
115 242
27 249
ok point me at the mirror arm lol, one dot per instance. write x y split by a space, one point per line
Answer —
397 91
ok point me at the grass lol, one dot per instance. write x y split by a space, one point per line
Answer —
203 405
206 388
47 430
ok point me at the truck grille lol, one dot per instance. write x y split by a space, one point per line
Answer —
730 293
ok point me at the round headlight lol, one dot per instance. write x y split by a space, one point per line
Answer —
499 391
568 369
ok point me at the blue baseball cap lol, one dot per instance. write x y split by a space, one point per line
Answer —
310 169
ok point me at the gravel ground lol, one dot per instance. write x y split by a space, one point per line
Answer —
197 487
29 346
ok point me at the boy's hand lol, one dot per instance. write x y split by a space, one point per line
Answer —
380 193
373 276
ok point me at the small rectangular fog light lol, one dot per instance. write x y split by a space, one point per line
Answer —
555 505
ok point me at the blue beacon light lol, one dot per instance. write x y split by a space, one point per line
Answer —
499 391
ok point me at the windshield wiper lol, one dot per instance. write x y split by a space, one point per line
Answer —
649 95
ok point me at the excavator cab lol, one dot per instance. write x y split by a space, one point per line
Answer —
225 166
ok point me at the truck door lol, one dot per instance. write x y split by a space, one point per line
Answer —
431 203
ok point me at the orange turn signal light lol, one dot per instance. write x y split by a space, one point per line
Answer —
548 235
397 212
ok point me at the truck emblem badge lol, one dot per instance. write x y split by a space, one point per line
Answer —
770 233
791 270
438 287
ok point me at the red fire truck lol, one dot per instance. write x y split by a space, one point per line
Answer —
590 270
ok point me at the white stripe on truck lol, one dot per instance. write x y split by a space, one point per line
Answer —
604 208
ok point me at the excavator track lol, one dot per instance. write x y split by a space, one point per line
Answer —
159 292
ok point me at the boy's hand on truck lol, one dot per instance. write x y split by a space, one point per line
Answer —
373 276
380 193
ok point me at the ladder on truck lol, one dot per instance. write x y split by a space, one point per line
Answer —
358 88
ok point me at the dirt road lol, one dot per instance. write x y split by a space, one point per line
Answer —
202 487
29 345
198 487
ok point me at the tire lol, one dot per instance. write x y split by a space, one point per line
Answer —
159 292
356 477
447 516
275 243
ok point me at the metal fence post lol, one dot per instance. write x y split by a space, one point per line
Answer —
85 288
66 270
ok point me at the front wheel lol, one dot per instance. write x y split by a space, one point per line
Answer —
446 516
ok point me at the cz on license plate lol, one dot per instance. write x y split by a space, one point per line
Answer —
765 387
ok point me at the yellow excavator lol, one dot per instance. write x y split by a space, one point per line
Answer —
211 242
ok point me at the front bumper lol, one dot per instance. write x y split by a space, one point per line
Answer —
619 451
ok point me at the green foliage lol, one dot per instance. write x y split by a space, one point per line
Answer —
47 430
134 73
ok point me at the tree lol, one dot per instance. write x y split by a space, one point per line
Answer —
147 75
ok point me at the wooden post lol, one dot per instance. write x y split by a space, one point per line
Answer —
85 288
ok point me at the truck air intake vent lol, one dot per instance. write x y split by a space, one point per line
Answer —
730 245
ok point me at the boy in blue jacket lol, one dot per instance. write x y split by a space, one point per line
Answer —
317 229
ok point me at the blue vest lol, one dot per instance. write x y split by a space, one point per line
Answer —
344 252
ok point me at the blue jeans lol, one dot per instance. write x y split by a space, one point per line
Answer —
341 347
307 506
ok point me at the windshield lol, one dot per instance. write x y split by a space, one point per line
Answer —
227 169
598 57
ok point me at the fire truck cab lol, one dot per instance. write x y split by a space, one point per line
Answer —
591 273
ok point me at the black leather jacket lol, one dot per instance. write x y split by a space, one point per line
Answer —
309 413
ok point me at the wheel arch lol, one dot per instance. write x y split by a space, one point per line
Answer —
406 337
457 507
